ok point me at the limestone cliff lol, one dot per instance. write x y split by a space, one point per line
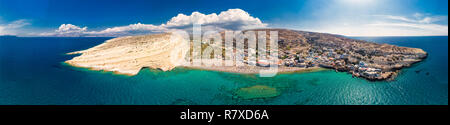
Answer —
128 55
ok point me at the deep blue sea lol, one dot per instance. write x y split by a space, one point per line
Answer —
32 73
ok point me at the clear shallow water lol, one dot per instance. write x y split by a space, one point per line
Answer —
31 72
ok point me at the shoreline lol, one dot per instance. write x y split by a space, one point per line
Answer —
166 51
241 70
96 70
254 69
244 70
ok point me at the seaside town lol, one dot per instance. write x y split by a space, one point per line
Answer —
329 58
360 58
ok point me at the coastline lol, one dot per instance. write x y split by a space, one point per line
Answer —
245 70
95 70
372 61
254 69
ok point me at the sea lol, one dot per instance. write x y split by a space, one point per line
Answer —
32 72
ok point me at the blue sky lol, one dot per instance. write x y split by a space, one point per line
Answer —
132 17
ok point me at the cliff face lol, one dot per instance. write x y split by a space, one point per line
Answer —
128 55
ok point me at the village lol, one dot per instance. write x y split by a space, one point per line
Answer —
326 58
332 59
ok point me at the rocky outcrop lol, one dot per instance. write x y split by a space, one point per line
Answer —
128 55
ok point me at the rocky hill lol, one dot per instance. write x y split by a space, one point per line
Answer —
128 55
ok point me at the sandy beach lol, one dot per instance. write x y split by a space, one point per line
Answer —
253 69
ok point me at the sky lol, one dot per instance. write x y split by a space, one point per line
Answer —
99 18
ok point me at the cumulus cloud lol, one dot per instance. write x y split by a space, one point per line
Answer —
232 19
69 28
13 27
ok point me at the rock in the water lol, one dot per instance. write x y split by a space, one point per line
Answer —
183 102
257 92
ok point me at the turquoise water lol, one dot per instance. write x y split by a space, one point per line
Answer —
31 72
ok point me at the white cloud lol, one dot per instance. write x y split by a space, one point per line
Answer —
418 15
390 25
132 29
390 29
18 24
232 19
418 18
69 28
428 27
1 30
13 27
